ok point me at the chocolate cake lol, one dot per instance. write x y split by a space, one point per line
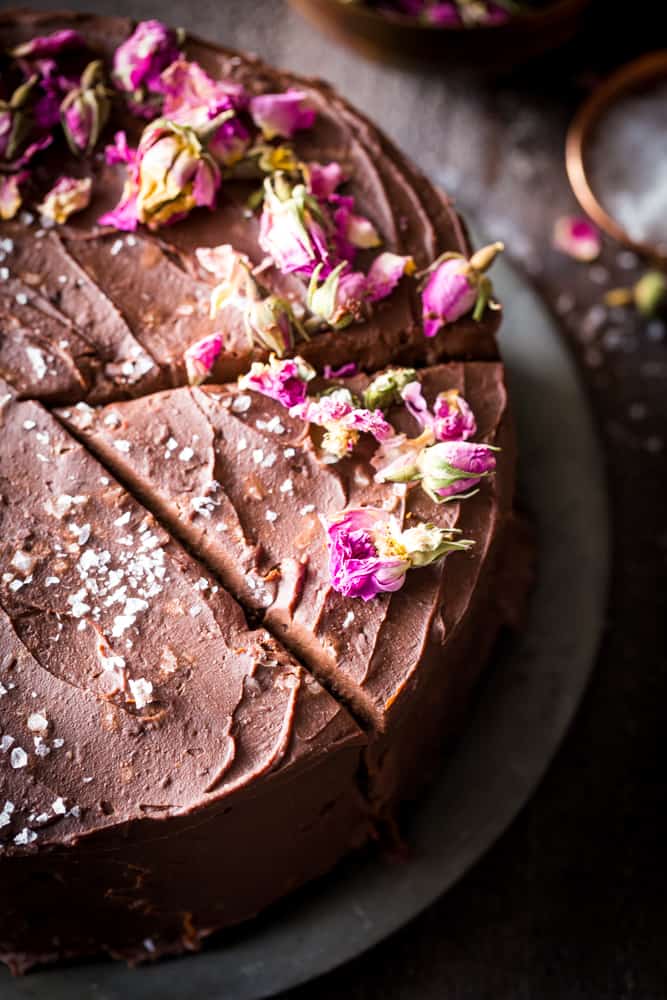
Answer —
251 564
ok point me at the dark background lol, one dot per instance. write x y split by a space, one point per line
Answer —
571 902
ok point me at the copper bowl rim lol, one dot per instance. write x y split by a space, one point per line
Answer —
529 18
651 66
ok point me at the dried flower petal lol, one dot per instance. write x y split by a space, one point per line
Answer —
344 371
577 237
282 114
201 356
141 59
48 45
323 179
10 194
385 273
67 196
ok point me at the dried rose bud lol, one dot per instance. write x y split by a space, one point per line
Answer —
17 125
201 356
270 324
85 110
455 286
453 469
385 389
171 173
340 298
648 295
69 195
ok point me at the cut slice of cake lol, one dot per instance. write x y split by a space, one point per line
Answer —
154 749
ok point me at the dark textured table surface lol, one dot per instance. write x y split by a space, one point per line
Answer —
571 903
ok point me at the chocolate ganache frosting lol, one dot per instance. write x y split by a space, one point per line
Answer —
147 734
151 290
251 565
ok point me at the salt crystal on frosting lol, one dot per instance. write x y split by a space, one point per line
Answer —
18 758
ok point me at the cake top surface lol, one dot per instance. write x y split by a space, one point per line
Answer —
174 212
99 307
242 479
130 684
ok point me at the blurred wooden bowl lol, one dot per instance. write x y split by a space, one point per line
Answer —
382 36
633 77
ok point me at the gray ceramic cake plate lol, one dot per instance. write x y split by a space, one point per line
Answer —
521 717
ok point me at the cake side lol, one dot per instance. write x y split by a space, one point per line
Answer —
140 763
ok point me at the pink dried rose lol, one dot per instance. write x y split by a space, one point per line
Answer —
171 174
139 62
323 179
67 196
10 194
455 286
369 554
385 273
452 418
282 114
85 110
343 422
284 381
48 45
577 237
292 229
454 469
201 356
